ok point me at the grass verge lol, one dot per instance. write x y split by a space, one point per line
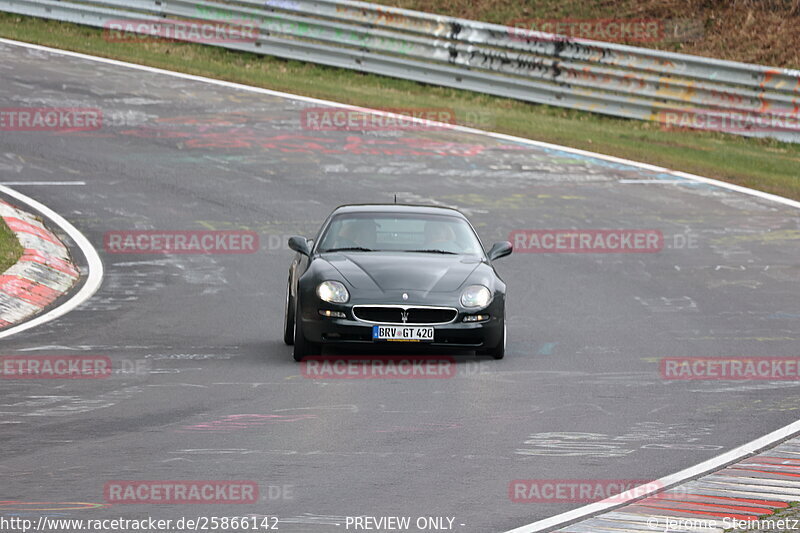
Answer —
10 249
762 164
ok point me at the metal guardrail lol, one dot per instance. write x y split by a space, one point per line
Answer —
675 89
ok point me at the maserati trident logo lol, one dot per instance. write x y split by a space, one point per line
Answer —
404 315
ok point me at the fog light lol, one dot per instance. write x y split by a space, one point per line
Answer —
332 314
476 318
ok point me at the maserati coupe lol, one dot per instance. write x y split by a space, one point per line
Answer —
381 274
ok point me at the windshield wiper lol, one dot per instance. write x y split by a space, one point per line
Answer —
432 251
348 249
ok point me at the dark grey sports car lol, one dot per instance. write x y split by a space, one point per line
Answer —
395 273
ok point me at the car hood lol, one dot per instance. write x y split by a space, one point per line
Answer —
389 271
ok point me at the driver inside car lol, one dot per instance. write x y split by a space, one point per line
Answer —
358 233
439 236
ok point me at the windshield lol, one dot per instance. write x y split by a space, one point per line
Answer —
368 232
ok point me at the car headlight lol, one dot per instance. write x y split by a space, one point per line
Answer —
333 291
476 296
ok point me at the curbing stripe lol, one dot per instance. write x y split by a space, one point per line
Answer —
14 310
30 285
25 289
42 275
56 263
18 225
94 278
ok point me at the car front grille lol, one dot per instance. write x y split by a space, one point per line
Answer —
413 315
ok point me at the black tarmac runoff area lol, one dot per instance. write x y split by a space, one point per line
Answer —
594 387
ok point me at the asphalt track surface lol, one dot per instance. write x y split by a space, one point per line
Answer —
196 339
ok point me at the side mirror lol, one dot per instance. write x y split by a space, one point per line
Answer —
499 249
300 245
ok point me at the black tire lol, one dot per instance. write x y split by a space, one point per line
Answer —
499 351
288 315
302 347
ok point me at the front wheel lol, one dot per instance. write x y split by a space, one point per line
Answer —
499 351
302 347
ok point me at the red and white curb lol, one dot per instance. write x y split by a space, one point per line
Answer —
750 490
43 273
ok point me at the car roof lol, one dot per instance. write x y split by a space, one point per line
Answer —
397 208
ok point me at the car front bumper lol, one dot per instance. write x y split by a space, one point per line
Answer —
457 334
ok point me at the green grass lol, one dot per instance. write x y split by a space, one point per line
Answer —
761 164
10 249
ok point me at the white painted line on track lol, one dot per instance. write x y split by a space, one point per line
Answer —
14 183
594 508
93 279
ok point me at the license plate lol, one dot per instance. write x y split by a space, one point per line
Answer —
402 333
